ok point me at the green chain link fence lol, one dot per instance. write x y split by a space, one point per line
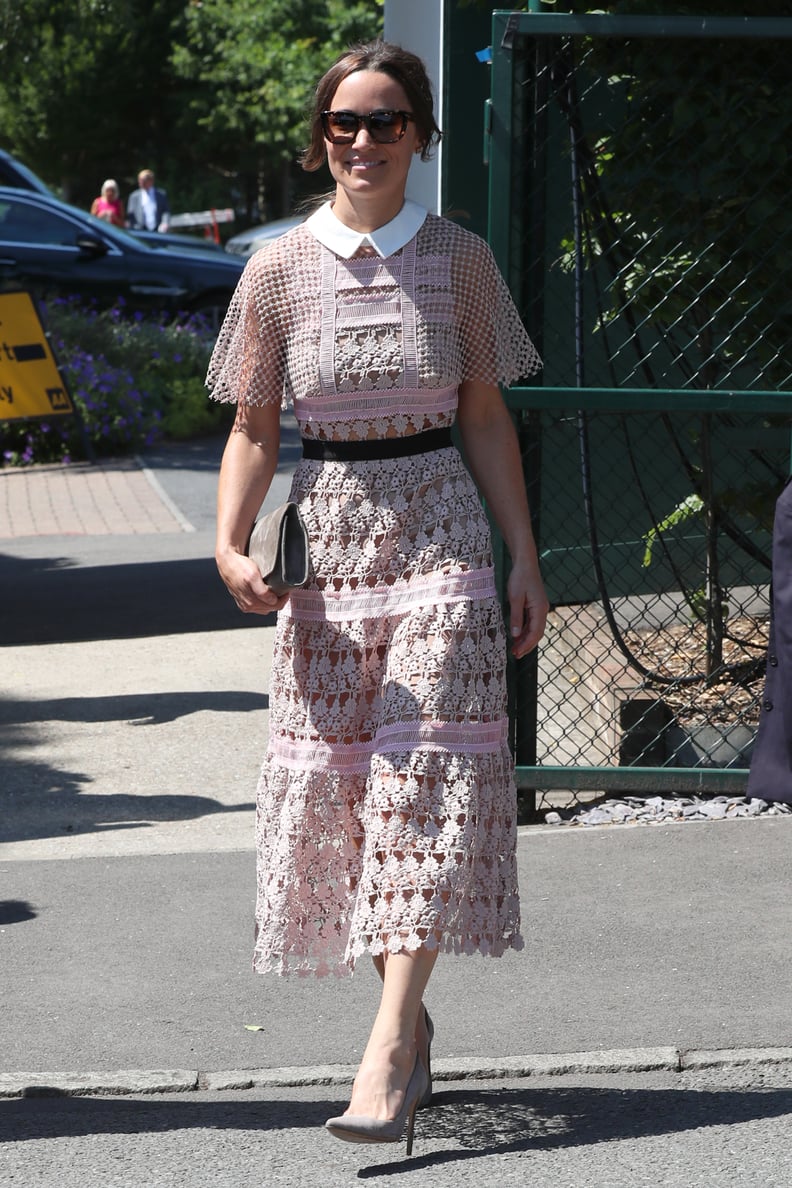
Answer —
639 209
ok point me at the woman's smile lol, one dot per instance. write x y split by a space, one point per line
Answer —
363 163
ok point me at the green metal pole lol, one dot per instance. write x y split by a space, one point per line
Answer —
525 23
514 222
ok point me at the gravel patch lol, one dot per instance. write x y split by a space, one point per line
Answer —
657 810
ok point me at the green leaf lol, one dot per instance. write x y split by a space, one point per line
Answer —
684 511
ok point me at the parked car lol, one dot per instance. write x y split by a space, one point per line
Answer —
14 173
248 242
167 240
51 248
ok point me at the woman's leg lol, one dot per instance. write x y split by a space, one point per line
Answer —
421 1030
390 1053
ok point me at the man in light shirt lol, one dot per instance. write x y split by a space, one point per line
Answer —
147 207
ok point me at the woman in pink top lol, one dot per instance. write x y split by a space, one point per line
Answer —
108 205
386 805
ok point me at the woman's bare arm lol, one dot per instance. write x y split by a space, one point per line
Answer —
493 455
249 462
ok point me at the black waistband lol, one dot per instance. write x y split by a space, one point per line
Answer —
373 450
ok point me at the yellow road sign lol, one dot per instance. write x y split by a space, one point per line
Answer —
30 383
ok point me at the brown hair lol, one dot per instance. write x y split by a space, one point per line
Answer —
403 67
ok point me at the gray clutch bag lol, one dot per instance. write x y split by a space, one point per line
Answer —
279 546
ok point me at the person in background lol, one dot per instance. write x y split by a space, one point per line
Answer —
108 205
386 807
147 206
770 775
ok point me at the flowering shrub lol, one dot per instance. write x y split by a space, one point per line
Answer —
133 380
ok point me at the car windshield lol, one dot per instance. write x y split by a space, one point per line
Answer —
12 170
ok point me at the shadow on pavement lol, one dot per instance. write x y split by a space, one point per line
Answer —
479 1123
140 709
48 601
503 1121
16 911
39 799
52 806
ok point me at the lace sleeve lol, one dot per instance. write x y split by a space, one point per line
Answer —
247 364
494 344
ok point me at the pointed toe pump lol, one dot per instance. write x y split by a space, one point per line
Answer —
359 1128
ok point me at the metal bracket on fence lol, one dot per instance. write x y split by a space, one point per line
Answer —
510 32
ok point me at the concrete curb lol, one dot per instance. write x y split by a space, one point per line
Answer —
622 1060
163 495
97 1084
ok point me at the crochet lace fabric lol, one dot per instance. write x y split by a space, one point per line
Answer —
304 324
386 804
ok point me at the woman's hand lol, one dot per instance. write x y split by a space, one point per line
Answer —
528 607
249 462
246 585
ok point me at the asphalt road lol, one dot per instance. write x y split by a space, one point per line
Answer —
702 1130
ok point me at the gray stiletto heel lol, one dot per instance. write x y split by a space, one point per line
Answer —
359 1128
426 1100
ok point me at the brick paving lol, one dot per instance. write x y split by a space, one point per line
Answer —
112 497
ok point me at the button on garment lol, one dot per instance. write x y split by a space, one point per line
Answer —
386 805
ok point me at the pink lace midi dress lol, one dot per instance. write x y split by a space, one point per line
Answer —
386 804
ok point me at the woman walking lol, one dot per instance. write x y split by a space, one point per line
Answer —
386 805
108 205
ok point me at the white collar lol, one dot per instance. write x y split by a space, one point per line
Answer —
335 235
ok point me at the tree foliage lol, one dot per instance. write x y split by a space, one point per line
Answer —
684 161
85 89
252 68
210 95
